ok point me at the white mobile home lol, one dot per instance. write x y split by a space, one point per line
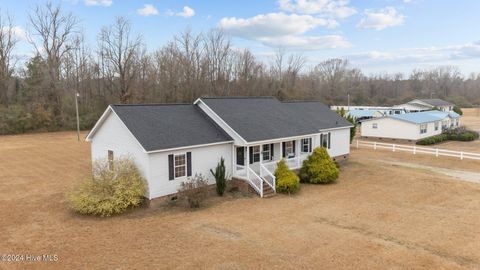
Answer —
172 142
409 126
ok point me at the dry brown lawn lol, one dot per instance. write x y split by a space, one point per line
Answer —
377 216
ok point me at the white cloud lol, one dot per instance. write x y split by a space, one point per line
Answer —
105 3
186 12
17 31
272 24
381 19
420 56
307 43
284 30
332 8
147 10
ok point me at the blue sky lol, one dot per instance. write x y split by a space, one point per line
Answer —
377 36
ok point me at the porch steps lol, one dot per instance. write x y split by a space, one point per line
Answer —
268 191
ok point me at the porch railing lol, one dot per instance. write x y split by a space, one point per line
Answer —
255 181
267 176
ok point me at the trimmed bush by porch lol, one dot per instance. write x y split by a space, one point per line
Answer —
319 168
286 180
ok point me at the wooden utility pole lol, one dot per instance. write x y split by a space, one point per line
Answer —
78 120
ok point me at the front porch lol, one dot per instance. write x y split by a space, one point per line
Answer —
256 163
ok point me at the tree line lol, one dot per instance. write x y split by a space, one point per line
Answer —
39 94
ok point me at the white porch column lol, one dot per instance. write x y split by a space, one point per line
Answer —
234 159
280 155
297 150
247 165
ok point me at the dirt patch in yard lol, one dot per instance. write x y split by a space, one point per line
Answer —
473 177
377 216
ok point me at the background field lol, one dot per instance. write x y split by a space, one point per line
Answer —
387 210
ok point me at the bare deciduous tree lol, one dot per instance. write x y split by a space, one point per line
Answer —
119 50
53 35
8 41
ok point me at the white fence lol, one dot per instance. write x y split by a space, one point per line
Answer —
415 149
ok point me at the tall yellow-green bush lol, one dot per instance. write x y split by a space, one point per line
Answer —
319 168
286 180
109 192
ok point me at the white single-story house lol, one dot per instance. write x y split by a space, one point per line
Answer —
410 126
420 105
172 142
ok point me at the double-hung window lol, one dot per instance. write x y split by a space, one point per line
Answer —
267 152
325 140
110 160
256 153
375 125
436 126
305 145
289 149
423 128
180 165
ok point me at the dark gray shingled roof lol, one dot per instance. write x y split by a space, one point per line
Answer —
265 118
165 126
319 115
436 102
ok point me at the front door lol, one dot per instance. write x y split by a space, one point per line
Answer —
241 156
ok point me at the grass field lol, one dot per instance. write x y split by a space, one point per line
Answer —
383 213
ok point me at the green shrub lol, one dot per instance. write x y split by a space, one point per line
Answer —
195 191
457 110
433 139
319 168
457 134
220 177
286 180
353 130
109 192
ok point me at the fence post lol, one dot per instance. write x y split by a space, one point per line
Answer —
436 153
393 147
414 149
375 146
461 155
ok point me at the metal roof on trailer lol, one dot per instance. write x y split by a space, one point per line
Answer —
436 102
423 117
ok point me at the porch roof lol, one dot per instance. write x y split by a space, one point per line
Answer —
266 118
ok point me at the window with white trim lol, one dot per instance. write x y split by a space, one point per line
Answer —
325 140
180 165
423 128
374 125
267 152
289 149
110 160
305 145
436 126
256 153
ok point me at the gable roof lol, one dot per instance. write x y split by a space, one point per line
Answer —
167 126
434 102
265 118
423 117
